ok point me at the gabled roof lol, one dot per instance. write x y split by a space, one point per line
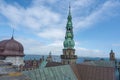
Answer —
52 73
90 72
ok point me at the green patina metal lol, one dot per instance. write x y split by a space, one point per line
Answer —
52 73
69 42
43 64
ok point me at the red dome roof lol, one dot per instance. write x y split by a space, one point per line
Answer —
11 47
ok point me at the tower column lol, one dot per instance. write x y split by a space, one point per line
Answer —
69 56
112 56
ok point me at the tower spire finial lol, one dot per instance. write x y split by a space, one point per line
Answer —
69 8
13 34
69 13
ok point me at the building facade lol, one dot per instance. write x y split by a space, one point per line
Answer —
12 51
112 56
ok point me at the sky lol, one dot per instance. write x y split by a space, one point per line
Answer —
40 25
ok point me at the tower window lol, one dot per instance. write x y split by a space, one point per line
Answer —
68 62
69 29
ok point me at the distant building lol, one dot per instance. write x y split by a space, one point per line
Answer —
112 56
12 51
68 56
49 58
30 64
35 64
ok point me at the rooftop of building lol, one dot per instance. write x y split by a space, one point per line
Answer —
99 63
90 72
72 72
11 47
52 73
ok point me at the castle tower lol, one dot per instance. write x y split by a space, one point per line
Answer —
112 56
69 56
49 58
12 51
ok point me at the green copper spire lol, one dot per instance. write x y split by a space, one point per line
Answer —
69 15
69 42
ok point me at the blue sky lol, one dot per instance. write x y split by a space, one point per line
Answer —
40 25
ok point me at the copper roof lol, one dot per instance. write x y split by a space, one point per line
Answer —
89 72
11 47
63 72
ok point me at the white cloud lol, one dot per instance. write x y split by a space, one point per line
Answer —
49 24
41 2
82 3
83 52
52 34
32 46
38 18
41 17
33 17
105 11
116 45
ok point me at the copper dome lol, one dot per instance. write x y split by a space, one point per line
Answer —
11 47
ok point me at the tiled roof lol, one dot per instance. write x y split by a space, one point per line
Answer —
89 72
100 63
52 73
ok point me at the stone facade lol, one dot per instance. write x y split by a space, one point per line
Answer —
15 60
12 51
112 56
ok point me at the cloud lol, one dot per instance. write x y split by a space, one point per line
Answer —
82 3
116 45
49 23
37 18
52 34
41 17
32 46
33 17
104 11
84 52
